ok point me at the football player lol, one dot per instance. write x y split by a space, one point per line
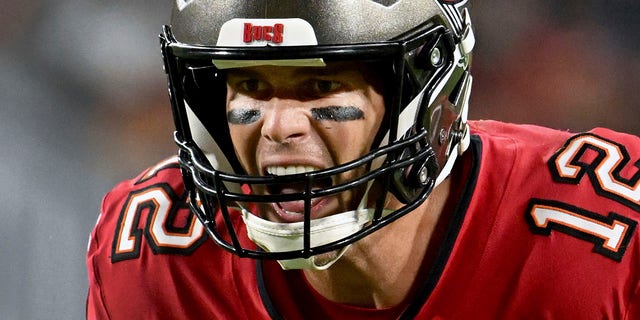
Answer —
327 170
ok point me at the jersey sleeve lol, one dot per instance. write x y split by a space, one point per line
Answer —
95 304
100 251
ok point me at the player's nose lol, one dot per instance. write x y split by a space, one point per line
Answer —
285 121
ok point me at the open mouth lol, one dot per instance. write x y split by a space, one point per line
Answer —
293 211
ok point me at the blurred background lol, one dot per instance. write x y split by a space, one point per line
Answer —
83 105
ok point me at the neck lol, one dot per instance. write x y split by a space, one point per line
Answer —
387 267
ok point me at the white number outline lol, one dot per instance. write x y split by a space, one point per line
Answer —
610 235
604 171
161 205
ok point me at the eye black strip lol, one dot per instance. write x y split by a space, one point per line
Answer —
337 113
331 113
243 116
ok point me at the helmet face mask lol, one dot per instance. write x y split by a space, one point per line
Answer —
425 95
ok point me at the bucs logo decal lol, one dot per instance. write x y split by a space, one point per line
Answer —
239 32
272 33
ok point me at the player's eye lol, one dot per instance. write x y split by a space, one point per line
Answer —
251 85
322 87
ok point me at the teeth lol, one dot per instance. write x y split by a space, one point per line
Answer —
281 171
293 213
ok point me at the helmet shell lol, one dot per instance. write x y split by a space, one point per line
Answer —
334 21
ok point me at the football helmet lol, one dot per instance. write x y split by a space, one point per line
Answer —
422 49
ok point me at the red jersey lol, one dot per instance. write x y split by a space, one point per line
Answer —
545 227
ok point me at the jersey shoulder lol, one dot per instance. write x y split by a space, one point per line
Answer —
512 155
523 136
536 137
586 166
583 183
156 192
150 257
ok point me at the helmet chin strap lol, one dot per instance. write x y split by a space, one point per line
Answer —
276 236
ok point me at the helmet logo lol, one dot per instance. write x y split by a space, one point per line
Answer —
241 32
273 34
